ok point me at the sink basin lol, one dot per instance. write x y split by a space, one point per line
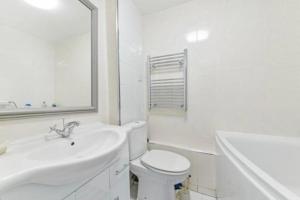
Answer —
60 161
77 147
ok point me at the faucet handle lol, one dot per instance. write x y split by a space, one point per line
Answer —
77 123
73 123
52 128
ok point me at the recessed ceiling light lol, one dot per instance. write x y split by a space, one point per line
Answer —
43 4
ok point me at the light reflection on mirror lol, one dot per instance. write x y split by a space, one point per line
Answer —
43 4
45 57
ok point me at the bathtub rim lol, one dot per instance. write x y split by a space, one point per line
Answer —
261 180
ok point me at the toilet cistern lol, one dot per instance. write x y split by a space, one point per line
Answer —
158 171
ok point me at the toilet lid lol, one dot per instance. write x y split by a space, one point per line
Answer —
165 161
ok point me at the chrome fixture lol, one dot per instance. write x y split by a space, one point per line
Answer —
13 103
67 129
167 81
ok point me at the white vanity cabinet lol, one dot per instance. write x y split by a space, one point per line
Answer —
111 184
119 177
104 176
119 187
71 197
96 189
91 165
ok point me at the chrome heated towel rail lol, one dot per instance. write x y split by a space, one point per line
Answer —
167 81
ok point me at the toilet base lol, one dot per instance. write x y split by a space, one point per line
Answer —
156 184
153 185
151 189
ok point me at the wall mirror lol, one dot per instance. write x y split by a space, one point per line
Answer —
48 57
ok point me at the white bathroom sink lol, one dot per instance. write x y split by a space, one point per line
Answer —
76 147
59 161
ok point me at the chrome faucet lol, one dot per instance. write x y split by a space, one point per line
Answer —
13 103
67 129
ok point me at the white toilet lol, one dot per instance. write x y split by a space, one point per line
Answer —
158 171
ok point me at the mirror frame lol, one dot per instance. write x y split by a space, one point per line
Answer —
94 79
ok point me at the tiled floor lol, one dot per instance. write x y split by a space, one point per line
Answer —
197 196
193 195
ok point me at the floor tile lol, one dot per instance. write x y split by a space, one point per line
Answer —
198 196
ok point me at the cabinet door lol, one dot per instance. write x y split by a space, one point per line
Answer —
120 188
95 189
71 197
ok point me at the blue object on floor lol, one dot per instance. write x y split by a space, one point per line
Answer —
178 186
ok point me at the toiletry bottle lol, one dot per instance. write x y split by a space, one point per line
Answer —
44 104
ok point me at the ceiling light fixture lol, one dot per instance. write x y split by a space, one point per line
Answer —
43 4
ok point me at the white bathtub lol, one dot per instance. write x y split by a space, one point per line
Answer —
257 167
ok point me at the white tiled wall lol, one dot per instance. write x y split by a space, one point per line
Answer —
131 62
244 68
191 25
243 72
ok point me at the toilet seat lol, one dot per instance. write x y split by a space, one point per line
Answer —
158 172
165 162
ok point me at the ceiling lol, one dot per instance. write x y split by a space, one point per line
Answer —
70 18
152 6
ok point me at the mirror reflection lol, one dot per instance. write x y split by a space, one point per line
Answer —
45 54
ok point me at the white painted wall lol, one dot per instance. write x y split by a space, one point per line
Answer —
25 60
131 62
73 71
15 129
